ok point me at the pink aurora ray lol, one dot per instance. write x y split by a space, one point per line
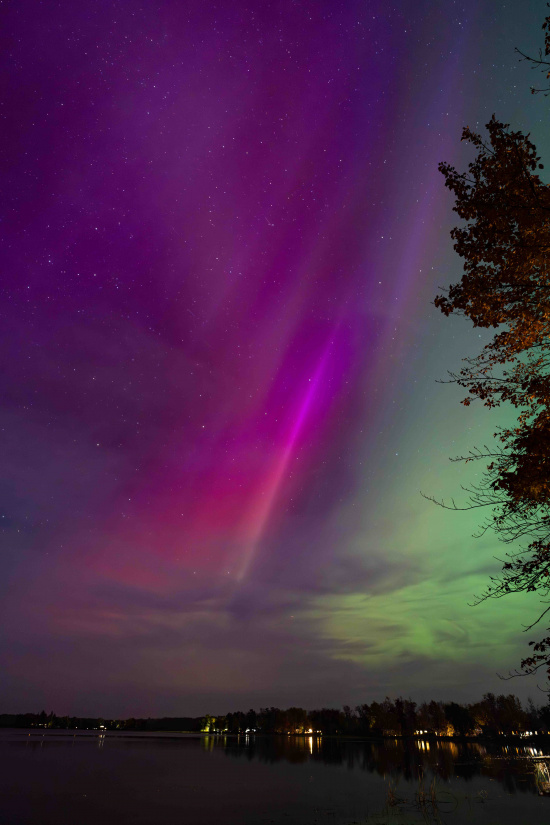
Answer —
263 507
220 222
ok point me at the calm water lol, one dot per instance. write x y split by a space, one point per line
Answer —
144 779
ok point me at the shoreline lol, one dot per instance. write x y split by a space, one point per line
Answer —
498 739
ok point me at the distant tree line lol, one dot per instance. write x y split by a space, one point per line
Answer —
51 720
492 716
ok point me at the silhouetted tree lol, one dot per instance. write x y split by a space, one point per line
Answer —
363 718
505 245
251 719
405 711
460 718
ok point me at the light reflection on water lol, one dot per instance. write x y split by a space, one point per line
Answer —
517 768
441 754
58 777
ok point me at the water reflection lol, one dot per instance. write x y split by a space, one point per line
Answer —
518 769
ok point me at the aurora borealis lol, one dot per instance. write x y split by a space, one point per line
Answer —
223 227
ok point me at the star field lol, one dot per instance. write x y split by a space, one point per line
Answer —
223 227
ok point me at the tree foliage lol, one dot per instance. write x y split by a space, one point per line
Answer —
504 241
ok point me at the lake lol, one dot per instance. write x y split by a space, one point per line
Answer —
88 778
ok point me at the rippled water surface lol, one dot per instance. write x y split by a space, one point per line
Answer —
87 778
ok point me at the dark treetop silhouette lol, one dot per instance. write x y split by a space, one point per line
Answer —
505 244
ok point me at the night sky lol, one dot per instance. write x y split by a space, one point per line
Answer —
222 230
